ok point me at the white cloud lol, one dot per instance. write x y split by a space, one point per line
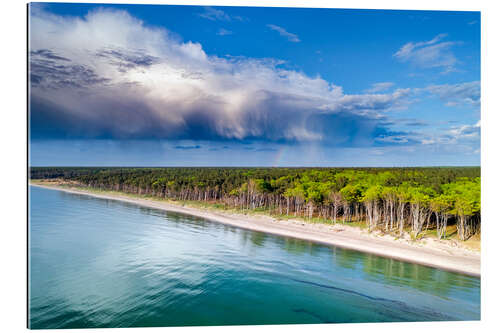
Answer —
378 87
466 136
213 14
224 32
371 103
288 35
466 131
434 53
460 94
406 50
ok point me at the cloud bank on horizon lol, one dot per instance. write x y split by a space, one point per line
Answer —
110 75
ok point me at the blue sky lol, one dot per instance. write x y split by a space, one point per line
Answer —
189 85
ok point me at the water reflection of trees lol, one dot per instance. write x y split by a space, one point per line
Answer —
299 246
258 238
255 238
420 277
291 245
346 258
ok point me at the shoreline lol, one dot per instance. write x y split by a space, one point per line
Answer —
430 252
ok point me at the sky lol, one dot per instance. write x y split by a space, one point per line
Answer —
161 85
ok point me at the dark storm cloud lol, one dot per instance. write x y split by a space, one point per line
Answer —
126 60
116 119
134 82
270 120
188 147
47 54
53 71
416 124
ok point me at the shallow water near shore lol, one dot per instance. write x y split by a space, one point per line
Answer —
104 263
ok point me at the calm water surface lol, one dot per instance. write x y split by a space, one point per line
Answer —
104 263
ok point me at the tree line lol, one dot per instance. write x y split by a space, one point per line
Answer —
391 199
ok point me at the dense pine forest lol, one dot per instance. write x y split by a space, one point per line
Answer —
389 199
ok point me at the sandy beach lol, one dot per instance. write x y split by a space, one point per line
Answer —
429 252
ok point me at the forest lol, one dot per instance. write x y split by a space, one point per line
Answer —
394 200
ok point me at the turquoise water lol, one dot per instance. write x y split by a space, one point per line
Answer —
104 263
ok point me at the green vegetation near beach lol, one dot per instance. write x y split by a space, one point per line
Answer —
394 200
